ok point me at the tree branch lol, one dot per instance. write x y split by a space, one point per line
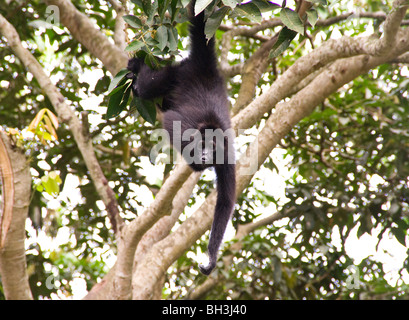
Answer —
165 252
243 230
404 58
162 228
277 126
251 73
132 233
120 25
315 60
66 115
13 265
230 33
391 27
7 188
82 29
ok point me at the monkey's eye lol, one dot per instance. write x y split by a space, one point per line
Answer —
210 145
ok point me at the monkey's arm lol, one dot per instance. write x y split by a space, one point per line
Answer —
148 83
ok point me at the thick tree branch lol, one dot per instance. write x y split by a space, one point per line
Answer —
162 228
404 59
318 58
120 25
7 195
391 27
251 73
109 285
66 115
13 265
164 253
132 233
82 29
278 125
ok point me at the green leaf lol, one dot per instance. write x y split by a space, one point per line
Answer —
200 5
162 37
265 6
173 39
113 105
214 21
120 87
39 187
284 39
133 21
151 61
137 2
55 176
230 3
250 11
150 9
400 235
118 79
291 20
116 104
147 7
50 185
134 46
146 109
312 17
175 11
125 98
102 85
162 7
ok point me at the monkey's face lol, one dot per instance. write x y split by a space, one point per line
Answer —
202 153
205 150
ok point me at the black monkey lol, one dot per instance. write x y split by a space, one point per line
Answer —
195 97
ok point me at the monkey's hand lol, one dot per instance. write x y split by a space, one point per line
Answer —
134 66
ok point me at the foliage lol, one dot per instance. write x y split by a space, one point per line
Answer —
157 36
349 159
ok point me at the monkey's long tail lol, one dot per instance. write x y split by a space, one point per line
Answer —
226 198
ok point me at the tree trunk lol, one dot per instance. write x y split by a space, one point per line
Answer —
13 265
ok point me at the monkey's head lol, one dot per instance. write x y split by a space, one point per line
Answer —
207 147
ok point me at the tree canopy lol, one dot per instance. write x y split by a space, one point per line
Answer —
318 94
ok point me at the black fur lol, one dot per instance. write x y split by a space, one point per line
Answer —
194 93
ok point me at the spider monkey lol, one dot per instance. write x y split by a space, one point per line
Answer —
195 97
